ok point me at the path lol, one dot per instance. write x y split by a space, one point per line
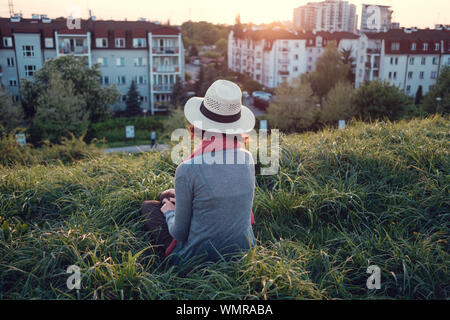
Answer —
136 149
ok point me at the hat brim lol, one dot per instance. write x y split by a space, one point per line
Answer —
195 117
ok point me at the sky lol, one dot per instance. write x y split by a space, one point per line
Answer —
409 13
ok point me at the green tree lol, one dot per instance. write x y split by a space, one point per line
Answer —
133 103
60 111
348 60
86 84
179 93
329 70
338 104
11 116
376 99
440 90
419 96
295 108
222 46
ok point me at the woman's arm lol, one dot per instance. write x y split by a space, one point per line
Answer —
179 220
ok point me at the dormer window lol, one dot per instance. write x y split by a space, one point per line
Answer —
101 42
414 46
395 46
120 42
7 42
436 46
425 46
139 43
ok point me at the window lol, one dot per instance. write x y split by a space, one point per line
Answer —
28 51
15 98
12 82
392 60
296 57
120 62
390 75
396 61
408 89
395 46
424 60
10 62
29 70
295 69
395 75
413 46
141 79
48 42
139 43
436 46
435 60
120 42
410 75
104 80
425 46
124 98
421 75
103 62
411 60
7 42
139 62
433 74
121 80
101 42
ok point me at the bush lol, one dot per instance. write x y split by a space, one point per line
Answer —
11 154
338 104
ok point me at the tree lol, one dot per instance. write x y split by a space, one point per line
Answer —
295 108
440 90
338 104
59 111
86 84
11 116
329 70
193 52
376 99
222 46
347 59
419 96
133 103
179 93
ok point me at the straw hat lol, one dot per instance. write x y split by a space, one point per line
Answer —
221 110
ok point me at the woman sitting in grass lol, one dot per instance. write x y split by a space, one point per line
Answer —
208 215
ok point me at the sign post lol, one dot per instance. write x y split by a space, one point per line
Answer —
21 139
341 125
129 133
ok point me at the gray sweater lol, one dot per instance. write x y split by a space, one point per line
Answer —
213 205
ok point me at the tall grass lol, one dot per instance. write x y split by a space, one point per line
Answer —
342 200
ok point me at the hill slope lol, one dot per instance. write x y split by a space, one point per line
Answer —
373 194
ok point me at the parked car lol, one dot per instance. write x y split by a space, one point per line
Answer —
262 95
245 94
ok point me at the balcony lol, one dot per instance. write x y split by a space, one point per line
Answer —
73 50
284 49
368 65
374 51
283 61
163 87
165 50
283 72
166 69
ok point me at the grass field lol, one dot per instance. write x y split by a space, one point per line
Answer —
373 194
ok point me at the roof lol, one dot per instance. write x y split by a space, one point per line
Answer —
282 34
98 28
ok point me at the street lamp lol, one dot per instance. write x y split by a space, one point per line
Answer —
438 99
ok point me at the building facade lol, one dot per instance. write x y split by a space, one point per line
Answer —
329 15
149 54
407 58
274 56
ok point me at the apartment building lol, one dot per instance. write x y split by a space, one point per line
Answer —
408 58
329 15
150 54
274 56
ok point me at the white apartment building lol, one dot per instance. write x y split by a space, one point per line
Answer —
407 58
150 54
274 56
329 15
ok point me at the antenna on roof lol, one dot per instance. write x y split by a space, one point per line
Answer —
11 8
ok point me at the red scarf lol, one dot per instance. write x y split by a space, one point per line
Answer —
204 147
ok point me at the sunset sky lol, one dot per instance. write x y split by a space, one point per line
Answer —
418 13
